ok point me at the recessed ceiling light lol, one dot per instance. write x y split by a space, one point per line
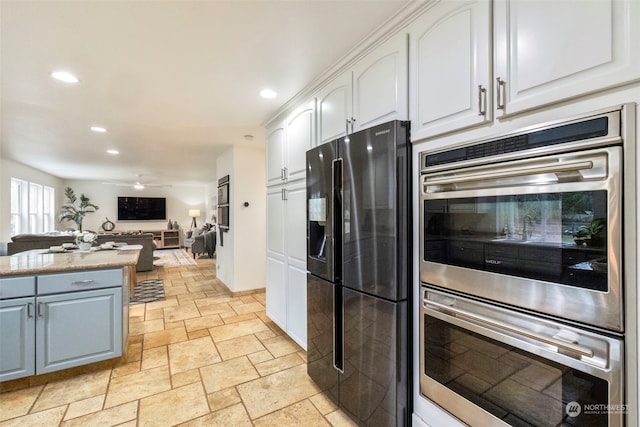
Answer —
114 152
268 93
138 186
98 129
248 137
65 76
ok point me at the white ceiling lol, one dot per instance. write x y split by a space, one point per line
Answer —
174 82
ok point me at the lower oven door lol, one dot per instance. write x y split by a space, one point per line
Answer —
490 366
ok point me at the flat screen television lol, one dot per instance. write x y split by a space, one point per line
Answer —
142 208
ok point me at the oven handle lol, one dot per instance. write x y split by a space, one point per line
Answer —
524 332
509 172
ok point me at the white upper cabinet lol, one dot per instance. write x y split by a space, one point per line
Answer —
548 51
299 135
287 144
543 52
334 108
275 156
450 68
374 91
380 84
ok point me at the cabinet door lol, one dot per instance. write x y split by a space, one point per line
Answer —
276 290
334 108
274 155
450 71
78 328
275 222
300 138
297 304
380 84
296 223
17 338
296 232
551 51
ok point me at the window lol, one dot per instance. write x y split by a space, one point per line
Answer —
32 207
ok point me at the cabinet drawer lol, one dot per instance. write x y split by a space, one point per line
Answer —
15 287
79 281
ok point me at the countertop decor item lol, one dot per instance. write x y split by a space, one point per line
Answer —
75 209
108 225
85 239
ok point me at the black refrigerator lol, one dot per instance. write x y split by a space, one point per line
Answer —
359 261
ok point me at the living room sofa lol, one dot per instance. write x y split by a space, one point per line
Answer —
26 242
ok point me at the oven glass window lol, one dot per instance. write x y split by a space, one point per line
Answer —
520 388
557 237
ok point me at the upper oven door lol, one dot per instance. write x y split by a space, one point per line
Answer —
542 234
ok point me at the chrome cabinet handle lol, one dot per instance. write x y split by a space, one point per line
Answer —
353 121
82 282
561 345
40 314
285 173
29 310
500 93
482 101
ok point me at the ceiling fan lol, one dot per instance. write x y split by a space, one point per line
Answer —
138 185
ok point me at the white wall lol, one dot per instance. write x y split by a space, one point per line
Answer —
179 200
10 169
241 264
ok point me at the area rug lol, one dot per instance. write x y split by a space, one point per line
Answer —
148 291
172 258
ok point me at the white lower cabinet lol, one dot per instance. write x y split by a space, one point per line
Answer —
59 321
277 291
286 259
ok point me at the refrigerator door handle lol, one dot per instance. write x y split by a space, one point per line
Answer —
338 331
336 217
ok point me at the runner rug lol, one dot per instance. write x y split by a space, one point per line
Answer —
172 258
148 291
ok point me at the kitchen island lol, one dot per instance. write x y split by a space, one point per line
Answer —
62 310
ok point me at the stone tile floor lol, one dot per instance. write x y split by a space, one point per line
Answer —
200 358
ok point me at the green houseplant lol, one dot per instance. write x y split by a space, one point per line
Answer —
75 209
591 235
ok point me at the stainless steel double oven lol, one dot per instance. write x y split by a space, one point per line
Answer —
522 312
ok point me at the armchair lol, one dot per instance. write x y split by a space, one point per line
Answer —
204 243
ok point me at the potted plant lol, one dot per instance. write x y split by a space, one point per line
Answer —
590 235
75 209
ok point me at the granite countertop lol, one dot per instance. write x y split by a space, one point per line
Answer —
39 261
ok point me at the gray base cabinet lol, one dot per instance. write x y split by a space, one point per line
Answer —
59 321
78 328
17 338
